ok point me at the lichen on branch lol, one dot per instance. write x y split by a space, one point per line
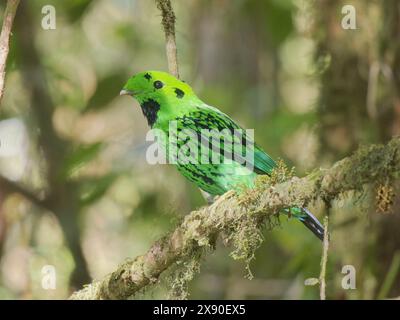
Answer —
225 217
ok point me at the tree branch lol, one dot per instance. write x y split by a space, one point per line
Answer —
199 228
8 20
168 22
62 195
8 186
35 81
324 260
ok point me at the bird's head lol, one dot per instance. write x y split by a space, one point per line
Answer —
155 84
155 90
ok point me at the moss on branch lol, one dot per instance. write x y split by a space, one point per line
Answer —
236 217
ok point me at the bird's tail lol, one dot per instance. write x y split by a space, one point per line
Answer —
310 221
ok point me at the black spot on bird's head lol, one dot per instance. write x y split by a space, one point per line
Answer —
179 93
147 76
156 85
150 109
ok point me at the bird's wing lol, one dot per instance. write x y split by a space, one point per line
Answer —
263 163
209 118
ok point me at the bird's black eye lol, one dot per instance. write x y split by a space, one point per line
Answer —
158 84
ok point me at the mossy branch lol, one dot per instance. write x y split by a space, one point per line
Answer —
200 228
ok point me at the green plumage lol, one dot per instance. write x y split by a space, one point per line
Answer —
176 101
165 99
217 179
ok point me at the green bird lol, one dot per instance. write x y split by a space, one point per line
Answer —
164 99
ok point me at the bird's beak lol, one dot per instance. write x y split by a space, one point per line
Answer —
125 92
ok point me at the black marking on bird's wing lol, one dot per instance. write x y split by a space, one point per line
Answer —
199 174
205 179
150 109
147 76
211 119
262 163
205 119
179 93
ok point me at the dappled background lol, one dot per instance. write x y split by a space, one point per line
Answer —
312 91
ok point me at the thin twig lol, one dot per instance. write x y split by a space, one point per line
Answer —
8 20
168 22
390 276
324 260
374 71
